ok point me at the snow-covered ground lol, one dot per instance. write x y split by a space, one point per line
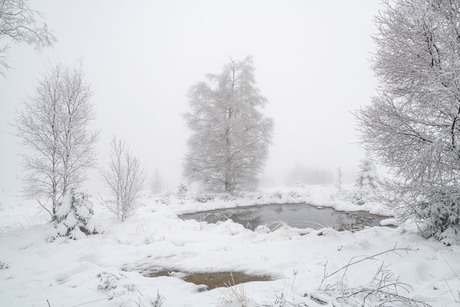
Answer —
104 269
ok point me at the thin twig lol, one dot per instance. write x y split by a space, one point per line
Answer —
351 262
45 208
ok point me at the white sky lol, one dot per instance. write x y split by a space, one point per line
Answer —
141 57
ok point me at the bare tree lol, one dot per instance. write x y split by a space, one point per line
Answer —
413 125
18 23
230 134
125 179
53 127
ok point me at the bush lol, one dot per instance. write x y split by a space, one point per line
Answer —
440 214
358 198
203 197
182 191
74 217
278 195
226 196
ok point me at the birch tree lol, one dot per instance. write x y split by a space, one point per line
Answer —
413 125
230 134
53 126
19 23
125 178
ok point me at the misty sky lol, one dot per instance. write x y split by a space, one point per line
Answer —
312 62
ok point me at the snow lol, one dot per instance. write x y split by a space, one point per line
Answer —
105 269
389 222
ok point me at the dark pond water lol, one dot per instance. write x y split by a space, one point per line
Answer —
294 215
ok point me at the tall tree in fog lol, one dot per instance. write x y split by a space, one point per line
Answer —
230 134
18 23
413 125
54 128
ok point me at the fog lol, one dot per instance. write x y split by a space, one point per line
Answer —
312 62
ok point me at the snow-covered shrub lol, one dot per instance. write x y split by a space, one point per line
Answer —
226 196
293 194
367 182
358 198
107 281
3 265
112 281
203 197
74 217
182 191
367 175
277 195
440 214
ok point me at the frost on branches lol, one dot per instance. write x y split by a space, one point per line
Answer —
74 217
413 125
230 134
125 179
20 24
54 128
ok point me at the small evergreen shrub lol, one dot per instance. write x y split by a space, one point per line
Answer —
74 217
439 214
203 197
182 191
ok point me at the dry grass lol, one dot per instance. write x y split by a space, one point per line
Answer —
233 294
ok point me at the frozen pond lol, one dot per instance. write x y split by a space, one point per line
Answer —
294 215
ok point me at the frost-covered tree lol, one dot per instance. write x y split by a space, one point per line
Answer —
367 175
74 217
53 126
413 125
230 134
125 179
18 23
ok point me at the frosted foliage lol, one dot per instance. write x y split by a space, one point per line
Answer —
19 23
125 179
230 134
440 214
413 125
367 176
54 128
74 217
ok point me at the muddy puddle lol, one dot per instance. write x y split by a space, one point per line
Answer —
295 215
214 279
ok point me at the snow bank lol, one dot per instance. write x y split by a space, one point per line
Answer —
111 268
